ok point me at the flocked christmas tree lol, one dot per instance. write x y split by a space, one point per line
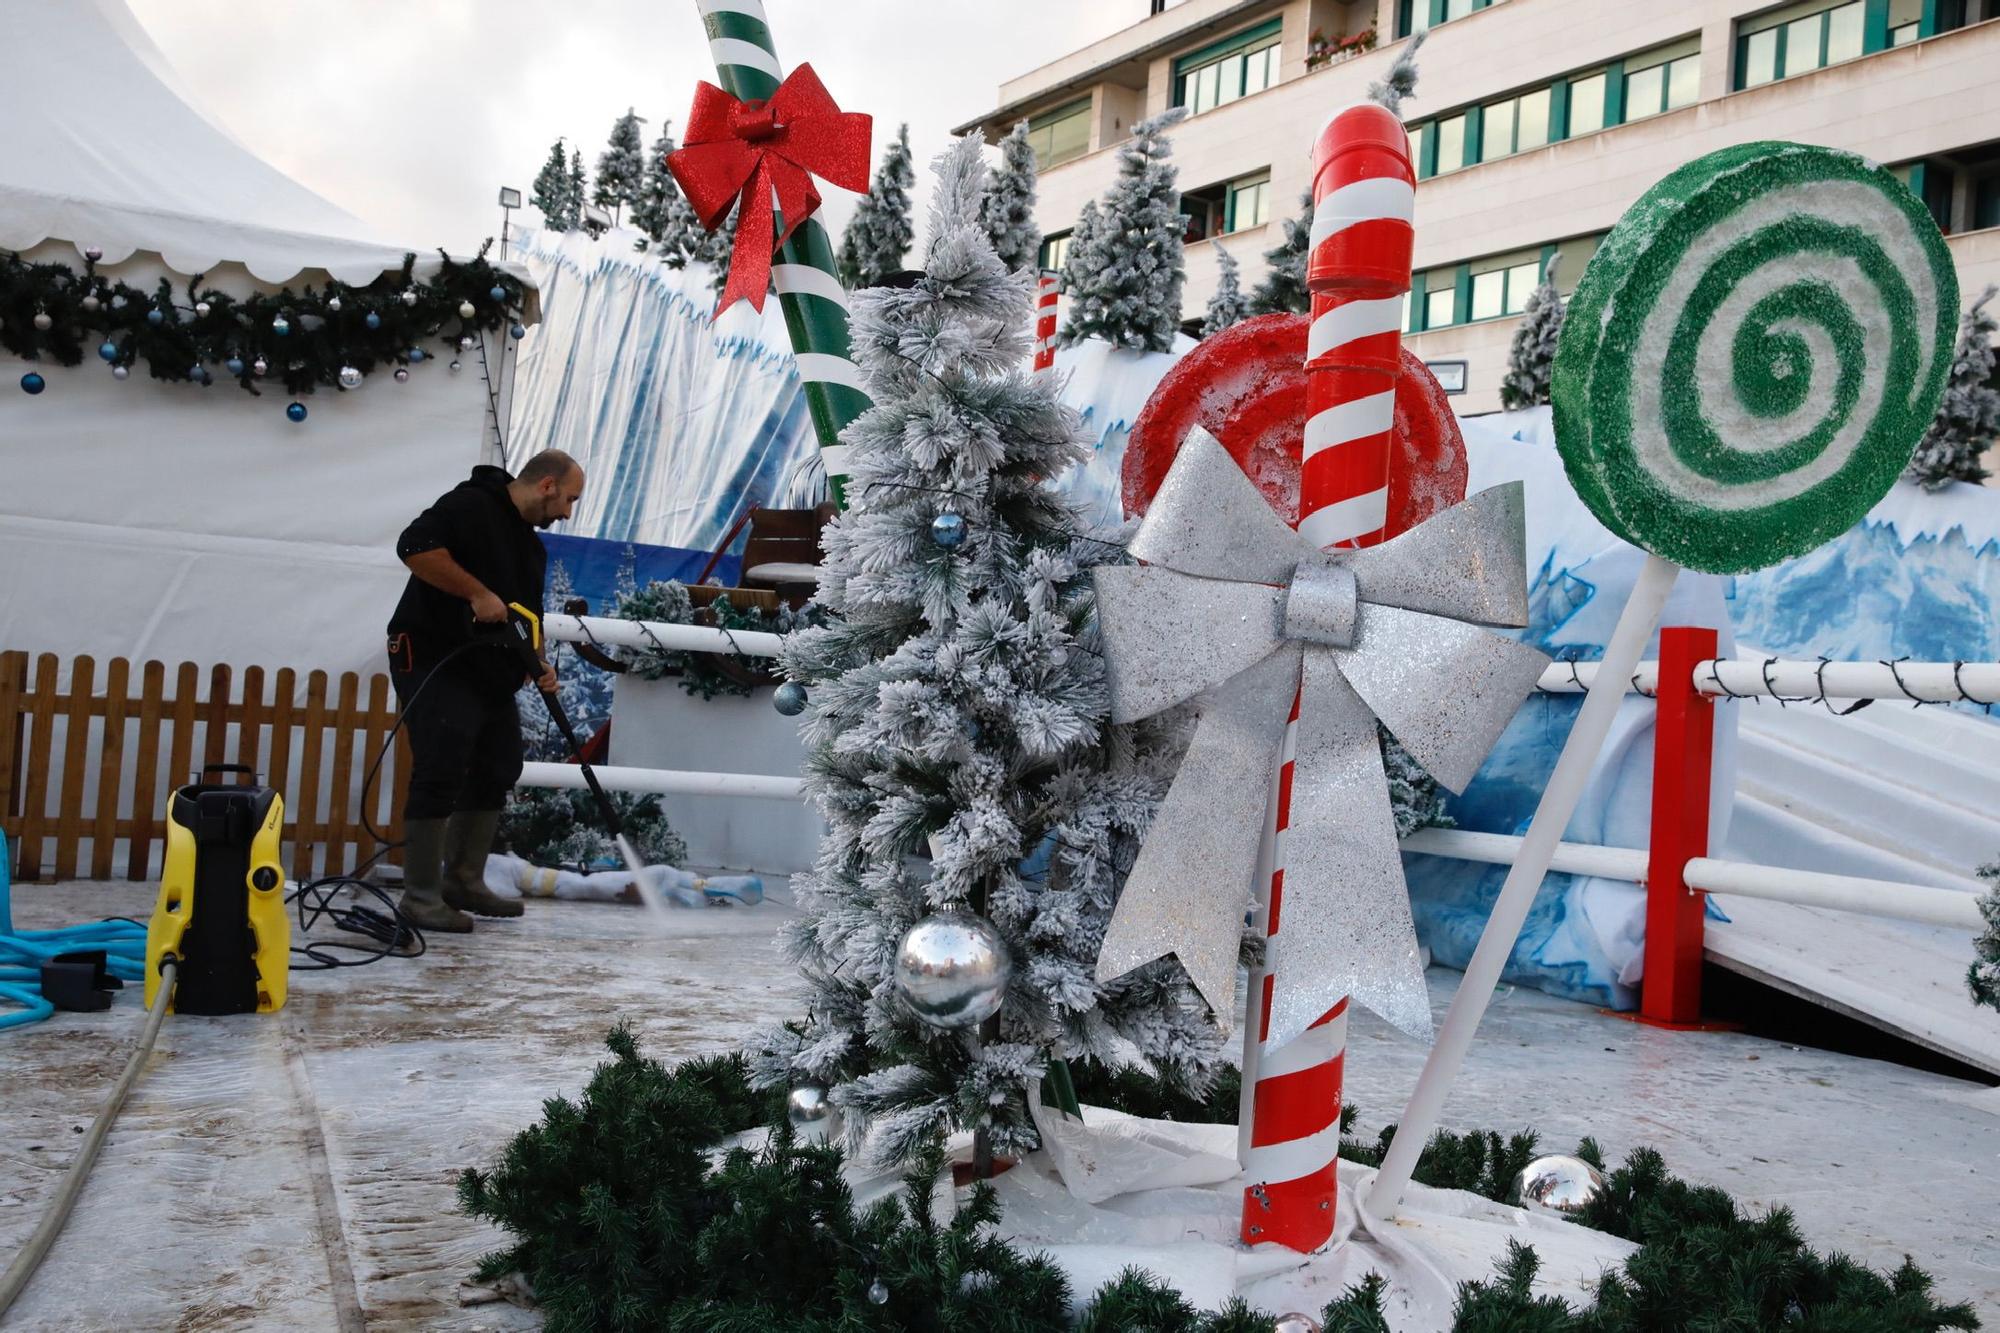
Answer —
1127 290
1226 307
660 209
1283 289
620 167
1085 256
878 235
1968 417
551 192
1009 206
958 709
1531 358
1984 976
576 189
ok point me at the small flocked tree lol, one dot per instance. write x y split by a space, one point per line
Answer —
620 167
1984 976
1226 307
958 707
1009 206
577 185
1400 83
1283 289
1085 256
878 235
551 192
714 248
1968 418
1531 358
1130 295
660 209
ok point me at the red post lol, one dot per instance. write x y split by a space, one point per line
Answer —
1683 766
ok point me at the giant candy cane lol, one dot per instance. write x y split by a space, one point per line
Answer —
1358 271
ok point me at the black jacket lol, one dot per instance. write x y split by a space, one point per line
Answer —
477 522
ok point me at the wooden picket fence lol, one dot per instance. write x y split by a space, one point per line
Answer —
89 769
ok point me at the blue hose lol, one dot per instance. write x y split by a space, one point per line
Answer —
23 952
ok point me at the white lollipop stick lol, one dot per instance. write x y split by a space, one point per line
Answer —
1517 895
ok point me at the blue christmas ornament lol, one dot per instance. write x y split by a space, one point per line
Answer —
234 365
416 354
296 411
33 383
519 331
498 293
107 351
281 326
373 320
155 317
948 530
790 698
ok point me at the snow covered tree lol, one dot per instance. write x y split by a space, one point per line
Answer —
1984 976
959 708
1226 306
576 189
660 209
1968 418
1532 355
879 235
714 248
1085 256
1283 289
551 192
1401 80
1009 205
1130 294
621 167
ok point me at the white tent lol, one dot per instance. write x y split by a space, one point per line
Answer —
164 520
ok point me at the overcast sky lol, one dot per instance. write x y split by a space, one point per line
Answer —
411 115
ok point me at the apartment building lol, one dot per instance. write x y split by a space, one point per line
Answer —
1535 124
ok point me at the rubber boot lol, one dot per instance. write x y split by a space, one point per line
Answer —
467 840
423 904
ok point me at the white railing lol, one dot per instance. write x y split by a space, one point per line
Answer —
1778 678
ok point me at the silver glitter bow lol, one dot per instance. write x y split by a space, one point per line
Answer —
1239 612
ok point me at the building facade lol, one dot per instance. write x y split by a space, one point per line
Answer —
1535 124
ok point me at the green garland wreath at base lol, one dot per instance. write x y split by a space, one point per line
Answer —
624 1224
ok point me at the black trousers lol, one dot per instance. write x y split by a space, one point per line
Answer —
465 741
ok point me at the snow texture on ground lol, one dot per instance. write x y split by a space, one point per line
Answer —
299 1169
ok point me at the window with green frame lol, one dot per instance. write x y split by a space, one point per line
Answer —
1418 15
1492 288
1795 40
1055 250
1249 202
1515 124
1059 135
1933 181
1500 286
1223 71
1667 83
1441 297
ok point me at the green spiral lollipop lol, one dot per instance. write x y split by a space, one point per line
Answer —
1753 354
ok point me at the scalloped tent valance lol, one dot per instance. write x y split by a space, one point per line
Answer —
132 165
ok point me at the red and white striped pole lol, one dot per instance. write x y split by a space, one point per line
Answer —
1357 273
1045 322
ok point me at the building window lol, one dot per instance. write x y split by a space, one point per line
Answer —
1418 15
1662 87
1515 125
1441 297
1501 286
1059 135
1234 67
1935 182
1586 104
1798 39
1249 202
1450 145
1055 251
1986 203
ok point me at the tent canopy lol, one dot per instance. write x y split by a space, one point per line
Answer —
135 167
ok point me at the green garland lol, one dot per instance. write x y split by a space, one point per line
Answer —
702 673
202 334
624 1222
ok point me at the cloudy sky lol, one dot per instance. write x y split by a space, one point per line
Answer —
412 114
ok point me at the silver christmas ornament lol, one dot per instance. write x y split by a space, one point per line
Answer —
259 366
457 365
1239 613
878 1292
466 310
1295 1323
333 304
117 303
350 378
201 309
92 253
465 344
952 969
409 296
42 321
402 374
1558 1184
90 303
811 1115
119 372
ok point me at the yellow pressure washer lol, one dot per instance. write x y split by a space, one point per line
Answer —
220 914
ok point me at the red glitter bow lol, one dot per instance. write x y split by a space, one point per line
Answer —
753 150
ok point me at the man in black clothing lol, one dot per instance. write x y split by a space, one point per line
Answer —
470 554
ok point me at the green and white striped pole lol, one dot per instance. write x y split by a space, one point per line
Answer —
809 293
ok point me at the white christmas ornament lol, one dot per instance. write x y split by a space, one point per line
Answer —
350 378
201 309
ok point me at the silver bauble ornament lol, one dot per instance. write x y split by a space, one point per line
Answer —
117 303
465 344
1557 1184
1295 1323
457 365
466 310
409 296
811 1115
953 969
402 374
43 322
91 303
119 372
259 366
878 1292
333 304
201 309
350 378
92 253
